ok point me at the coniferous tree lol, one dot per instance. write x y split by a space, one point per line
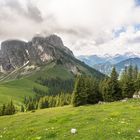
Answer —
127 82
130 72
111 90
137 83
3 109
86 91
116 90
135 73
43 103
79 96
10 109
30 106
92 90
52 101
106 91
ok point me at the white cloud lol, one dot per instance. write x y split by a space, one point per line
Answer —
86 26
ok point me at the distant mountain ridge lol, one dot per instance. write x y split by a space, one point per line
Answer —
105 63
92 60
131 61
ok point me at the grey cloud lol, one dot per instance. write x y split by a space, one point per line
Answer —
134 40
75 21
75 31
34 13
14 4
30 11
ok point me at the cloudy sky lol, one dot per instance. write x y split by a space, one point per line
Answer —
86 26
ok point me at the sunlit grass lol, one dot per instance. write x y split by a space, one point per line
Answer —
111 121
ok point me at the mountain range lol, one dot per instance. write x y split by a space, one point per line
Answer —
105 63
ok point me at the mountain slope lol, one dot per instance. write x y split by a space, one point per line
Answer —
92 60
131 61
41 59
105 68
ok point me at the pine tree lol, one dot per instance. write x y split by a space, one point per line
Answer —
52 101
130 72
30 106
116 90
127 82
62 99
135 73
111 89
43 103
3 109
79 96
92 90
137 83
106 91
57 100
13 109
9 109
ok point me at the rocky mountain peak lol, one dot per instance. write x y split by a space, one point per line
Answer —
37 39
13 54
38 51
55 41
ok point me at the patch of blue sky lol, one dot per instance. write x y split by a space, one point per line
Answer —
137 27
118 31
137 2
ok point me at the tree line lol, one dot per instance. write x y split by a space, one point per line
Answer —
7 109
88 90
32 103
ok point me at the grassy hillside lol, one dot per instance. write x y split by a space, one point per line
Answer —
15 86
111 121
16 90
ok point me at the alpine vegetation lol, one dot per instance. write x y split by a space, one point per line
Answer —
89 90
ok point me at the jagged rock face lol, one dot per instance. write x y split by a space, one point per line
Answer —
42 50
13 54
38 51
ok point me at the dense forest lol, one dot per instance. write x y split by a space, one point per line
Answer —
89 91
7 109
86 90
46 101
56 85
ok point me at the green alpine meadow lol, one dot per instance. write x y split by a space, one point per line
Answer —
114 121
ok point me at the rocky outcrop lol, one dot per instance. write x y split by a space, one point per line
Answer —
38 51
13 54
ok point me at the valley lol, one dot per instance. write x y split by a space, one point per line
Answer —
44 92
70 70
